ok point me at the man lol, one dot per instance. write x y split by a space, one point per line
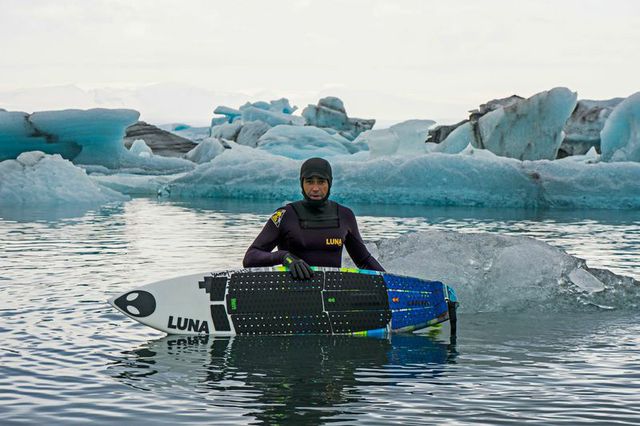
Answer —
311 231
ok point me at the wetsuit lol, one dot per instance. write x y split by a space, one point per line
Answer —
315 234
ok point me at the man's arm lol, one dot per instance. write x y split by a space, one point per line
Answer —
259 253
357 249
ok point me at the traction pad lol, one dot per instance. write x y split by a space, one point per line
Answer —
273 303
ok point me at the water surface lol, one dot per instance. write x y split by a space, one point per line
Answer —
67 357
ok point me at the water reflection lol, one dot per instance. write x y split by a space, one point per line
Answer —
298 379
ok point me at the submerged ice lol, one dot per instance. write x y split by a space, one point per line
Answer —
499 273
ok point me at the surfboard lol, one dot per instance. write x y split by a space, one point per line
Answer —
269 301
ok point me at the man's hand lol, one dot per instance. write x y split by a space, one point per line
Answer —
298 268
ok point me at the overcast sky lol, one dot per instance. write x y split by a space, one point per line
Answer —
391 59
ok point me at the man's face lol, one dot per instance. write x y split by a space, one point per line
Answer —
315 187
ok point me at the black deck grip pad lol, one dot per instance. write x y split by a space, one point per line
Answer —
281 324
215 286
274 303
220 319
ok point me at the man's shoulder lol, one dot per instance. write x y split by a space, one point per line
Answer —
344 210
279 214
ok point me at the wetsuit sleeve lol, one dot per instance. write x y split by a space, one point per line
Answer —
260 252
356 248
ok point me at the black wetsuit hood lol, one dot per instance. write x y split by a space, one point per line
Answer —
318 167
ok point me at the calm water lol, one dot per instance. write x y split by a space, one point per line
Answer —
67 357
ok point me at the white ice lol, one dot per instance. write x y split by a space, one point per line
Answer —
406 138
205 151
302 142
531 129
472 178
620 137
497 273
36 178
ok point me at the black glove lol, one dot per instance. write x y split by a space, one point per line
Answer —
298 268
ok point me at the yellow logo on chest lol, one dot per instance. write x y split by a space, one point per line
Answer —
334 242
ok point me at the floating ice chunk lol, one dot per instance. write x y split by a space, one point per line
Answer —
98 131
230 115
496 273
272 118
17 135
225 176
406 138
35 178
227 131
330 113
302 142
140 148
585 281
250 132
282 105
205 151
582 130
620 137
133 184
530 129
478 178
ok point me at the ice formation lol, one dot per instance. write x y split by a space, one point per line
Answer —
91 136
497 273
302 142
36 178
140 148
582 130
472 178
251 131
530 129
621 133
272 118
205 151
330 113
406 138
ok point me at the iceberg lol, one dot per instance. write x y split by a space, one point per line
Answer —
406 138
91 136
530 129
274 113
272 118
620 137
330 113
302 142
251 132
582 130
227 131
36 178
498 273
205 151
140 148
475 177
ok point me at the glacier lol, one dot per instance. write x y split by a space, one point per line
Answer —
620 137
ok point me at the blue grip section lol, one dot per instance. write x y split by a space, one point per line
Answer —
415 302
